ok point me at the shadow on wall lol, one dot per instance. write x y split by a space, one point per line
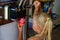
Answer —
56 8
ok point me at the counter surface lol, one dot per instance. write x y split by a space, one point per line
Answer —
2 21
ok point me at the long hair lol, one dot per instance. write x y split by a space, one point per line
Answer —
45 23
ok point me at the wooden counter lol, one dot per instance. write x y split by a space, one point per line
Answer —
1 11
2 21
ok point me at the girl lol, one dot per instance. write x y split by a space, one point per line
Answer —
42 23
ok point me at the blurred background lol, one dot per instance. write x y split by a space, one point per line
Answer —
8 19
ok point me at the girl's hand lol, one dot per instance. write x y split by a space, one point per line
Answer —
21 23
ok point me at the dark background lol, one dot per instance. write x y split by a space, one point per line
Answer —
7 0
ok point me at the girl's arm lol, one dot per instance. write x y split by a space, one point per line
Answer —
20 35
